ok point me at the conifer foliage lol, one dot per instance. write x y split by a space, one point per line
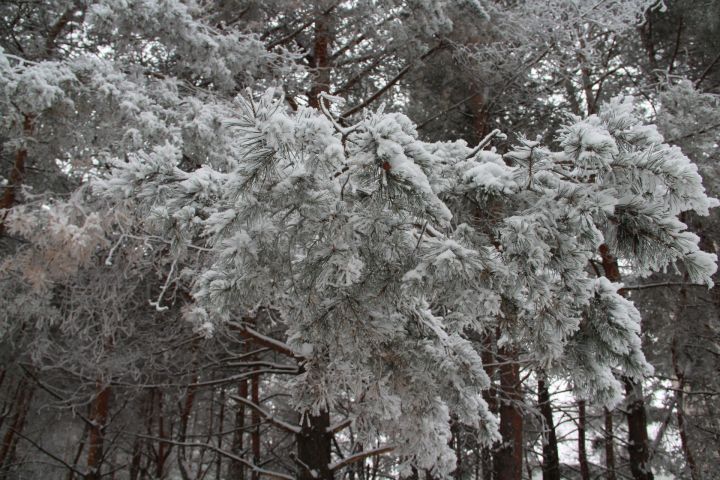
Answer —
191 232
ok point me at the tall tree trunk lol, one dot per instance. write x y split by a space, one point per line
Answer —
321 59
221 423
582 450
637 431
183 428
638 442
237 469
490 396
163 450
680 413
17 174
609 446
551 460
79 450
96 443
314 447
23 400
508 459
255 416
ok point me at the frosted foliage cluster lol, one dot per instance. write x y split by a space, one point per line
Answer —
352 239
219 57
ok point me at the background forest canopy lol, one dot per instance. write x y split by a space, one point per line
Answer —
402 239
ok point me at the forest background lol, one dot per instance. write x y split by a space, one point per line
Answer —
362 239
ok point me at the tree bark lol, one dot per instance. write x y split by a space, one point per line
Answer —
582 450
314 447
609 446
508 458
17 174
680 413
551 460
96 443
320 59
23 399
638 442
237 469
255 417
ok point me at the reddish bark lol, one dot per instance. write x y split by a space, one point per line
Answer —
96 443
320 59
17 174
508 458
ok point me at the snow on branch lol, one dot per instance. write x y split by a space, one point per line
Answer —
359 456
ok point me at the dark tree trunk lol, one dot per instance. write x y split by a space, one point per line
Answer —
508 459
96 443
638 443
582 450
23 399
321 59
488 359
313 447
255 417
680 413
81 447
609 446
237 469
551 461
17 174
637 432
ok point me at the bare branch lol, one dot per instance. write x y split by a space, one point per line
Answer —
391 82
359 456
224 453
267 415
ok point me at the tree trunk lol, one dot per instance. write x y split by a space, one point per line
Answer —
320 59
23 399
582 451
638 443
637 432
96 443
490 396
609 446
79 450
17 174
255 416
314 447
551 461
508 459
237 469
680 413
221 423
183 428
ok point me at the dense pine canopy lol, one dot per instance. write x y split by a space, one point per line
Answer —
374 239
